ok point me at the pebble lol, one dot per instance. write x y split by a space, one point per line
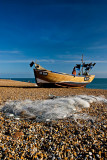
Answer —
11 115
90 153
59 139
17 118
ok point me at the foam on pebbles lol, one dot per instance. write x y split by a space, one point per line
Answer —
51 109
60 138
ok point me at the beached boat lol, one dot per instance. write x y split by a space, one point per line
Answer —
47 78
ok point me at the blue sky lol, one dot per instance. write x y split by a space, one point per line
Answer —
55 32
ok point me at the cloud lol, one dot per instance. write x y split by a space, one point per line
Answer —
50 61
98 47
15 61
68 55
101 61
47 60
78 61
10 52
101 72
28 61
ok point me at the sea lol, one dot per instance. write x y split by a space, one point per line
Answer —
97 83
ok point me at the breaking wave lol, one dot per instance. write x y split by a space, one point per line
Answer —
51 109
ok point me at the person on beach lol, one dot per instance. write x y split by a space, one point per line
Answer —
74 72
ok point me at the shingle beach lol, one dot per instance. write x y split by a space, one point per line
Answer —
61 139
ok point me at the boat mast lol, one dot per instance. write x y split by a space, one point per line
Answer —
82 64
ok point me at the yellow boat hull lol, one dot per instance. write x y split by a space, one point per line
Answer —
48 78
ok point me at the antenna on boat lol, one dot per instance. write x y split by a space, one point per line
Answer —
82 64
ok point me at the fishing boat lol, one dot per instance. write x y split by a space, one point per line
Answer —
47 78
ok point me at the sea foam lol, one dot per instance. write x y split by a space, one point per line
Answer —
51 109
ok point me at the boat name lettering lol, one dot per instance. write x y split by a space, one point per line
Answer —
43 73
86 78
40 72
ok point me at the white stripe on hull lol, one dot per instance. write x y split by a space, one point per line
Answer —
41 80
